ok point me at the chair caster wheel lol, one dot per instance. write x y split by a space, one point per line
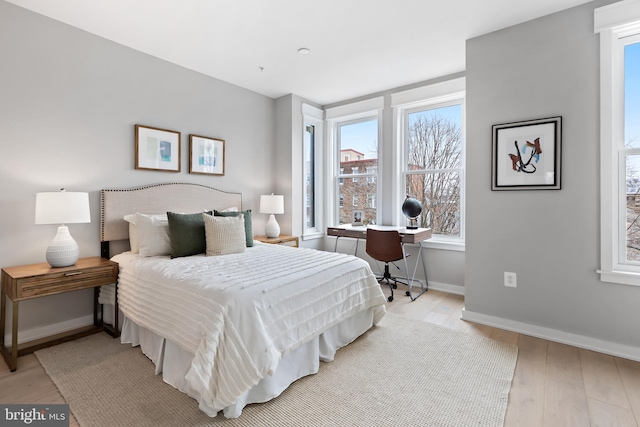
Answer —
390 299
395 286
407 293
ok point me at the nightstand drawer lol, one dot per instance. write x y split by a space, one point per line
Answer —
54 283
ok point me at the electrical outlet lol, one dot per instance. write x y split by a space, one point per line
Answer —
510 279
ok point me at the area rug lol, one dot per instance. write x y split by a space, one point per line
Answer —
402 372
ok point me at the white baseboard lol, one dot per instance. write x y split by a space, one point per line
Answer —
48 330
601 346
445 287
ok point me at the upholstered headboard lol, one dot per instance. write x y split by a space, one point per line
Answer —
156 199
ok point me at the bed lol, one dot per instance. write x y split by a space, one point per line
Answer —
236 328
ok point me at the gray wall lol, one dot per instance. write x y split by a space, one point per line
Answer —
69 101
543 68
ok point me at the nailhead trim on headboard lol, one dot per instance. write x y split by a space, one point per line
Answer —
156 199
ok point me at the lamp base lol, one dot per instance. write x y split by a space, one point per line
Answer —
63 250
272 228
413 224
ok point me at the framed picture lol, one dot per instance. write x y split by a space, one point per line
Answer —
157 149
206 155
358 217
526 155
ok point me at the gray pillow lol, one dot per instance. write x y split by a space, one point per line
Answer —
186 232
248 229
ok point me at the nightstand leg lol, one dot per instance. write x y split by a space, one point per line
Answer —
14 338
3 314
10 358
97 322
116 311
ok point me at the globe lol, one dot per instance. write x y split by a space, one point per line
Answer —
411 208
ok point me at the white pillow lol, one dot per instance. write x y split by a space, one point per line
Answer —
231 209
133 233
224 234
153 235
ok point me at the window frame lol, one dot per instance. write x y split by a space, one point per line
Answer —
315 117
451 92
617 24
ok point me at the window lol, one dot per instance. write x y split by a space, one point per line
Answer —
354 144
619 27
312 171
630 228
372 171
358 138
433 165
431 132
309 165
371 201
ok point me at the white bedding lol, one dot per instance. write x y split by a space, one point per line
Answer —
241 314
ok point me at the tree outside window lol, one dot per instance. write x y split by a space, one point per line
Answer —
434 166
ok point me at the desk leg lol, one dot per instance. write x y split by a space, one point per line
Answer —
355 253
423 289
424 267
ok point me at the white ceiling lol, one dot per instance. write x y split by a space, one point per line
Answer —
357 47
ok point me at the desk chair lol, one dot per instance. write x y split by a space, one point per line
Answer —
386 246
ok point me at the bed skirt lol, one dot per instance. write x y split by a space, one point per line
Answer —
173 362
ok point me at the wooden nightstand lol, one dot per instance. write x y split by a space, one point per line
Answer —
39 280
280 240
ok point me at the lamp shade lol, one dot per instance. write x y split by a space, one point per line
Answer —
272 204
62 207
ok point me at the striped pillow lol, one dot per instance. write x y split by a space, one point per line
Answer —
224 235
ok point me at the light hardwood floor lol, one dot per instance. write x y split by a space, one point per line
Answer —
553 385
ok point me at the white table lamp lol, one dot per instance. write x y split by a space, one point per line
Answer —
271 204
62 208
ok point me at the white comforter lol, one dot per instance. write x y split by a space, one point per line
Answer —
240 314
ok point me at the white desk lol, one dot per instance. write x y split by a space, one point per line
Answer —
407 235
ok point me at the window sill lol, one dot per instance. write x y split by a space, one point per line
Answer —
620 277
447 245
